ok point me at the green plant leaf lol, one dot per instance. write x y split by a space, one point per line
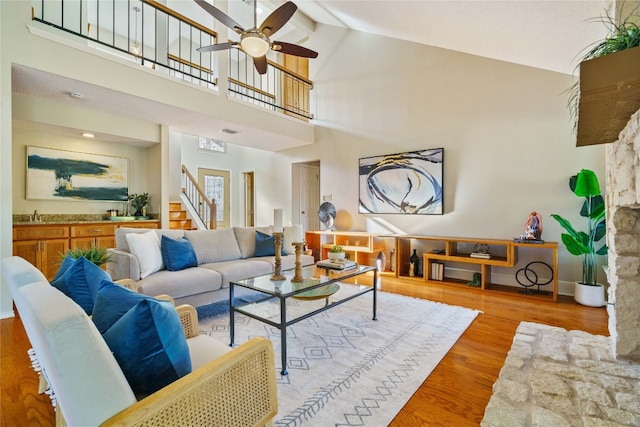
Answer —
587 184
573 245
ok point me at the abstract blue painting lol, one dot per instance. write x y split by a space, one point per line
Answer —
403 183
68 175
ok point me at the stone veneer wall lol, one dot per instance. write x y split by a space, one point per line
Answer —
623 239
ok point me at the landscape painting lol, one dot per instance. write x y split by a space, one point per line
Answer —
403 183
68 175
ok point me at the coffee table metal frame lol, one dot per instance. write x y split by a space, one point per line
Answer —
284 289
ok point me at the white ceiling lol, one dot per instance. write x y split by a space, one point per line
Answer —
547 34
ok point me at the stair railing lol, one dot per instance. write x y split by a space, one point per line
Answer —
204 207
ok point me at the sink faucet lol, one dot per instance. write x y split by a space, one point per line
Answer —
35 216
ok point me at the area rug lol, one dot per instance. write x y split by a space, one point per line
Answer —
346 369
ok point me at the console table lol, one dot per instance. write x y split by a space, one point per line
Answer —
453 253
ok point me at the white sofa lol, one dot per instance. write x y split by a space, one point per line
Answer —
230 387
223 256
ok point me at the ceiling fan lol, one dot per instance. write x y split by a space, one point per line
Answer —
255 41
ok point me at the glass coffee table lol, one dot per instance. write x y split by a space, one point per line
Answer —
319 283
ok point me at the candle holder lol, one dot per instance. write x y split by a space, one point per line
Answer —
298 278
277 271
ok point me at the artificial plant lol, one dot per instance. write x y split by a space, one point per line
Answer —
580 243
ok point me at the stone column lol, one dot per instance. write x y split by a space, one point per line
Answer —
623 239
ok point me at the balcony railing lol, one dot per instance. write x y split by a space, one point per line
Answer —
279 89
153 35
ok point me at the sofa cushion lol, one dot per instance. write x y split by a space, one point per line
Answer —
177 254
178 284
112 302
149 344
266 245
121 235
146 248
246 238
291 234
214 245
81 282
233 271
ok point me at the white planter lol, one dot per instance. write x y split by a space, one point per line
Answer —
336 255
592 296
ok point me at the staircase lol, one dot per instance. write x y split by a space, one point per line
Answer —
178 217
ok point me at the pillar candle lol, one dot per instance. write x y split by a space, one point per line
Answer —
297 233
277 220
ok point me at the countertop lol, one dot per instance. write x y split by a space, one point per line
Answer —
68 219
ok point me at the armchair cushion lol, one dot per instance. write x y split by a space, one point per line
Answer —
177 254
149 344
112 302
81 282
64 266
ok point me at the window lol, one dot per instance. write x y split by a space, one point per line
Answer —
211 144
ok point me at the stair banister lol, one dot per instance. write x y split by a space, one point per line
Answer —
205 207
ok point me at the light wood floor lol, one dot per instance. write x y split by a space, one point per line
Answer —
455 394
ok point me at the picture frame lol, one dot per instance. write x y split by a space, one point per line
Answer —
54 174
402 183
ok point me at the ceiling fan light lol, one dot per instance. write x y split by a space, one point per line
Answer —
254 44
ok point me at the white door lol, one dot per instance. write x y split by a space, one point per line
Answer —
309 197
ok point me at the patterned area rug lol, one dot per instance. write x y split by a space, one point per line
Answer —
346 369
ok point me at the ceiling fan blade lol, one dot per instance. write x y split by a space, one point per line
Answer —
220 16
261 64
294 49
217 47
278 18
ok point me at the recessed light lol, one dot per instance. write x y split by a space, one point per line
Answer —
77 95
88 135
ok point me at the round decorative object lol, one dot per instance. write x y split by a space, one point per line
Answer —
532 277
327 215
318 293
481 248
336 255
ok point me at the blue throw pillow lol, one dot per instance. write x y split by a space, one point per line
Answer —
81 282
112 302
64 266
177 254
149 345
266 244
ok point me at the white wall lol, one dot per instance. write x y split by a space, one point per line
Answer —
272 177
505 128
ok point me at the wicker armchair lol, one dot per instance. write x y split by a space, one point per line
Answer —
236 389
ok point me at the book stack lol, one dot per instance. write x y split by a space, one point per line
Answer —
437 271
484 255
338 264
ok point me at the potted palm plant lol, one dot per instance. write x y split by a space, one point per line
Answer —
95 254
607 91
587 243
